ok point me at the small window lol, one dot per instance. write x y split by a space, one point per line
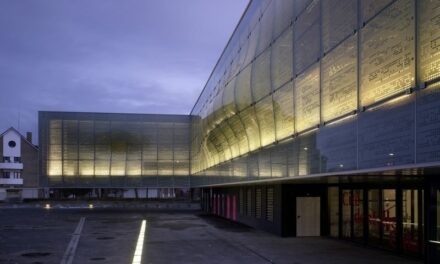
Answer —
17 159
6 159
12 144
6 174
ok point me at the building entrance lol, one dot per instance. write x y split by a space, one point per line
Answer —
390 218
434 224
308 216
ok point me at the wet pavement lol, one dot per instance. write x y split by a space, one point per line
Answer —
110 236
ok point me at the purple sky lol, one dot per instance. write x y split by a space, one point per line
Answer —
128 56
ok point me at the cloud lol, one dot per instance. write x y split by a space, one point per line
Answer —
107 55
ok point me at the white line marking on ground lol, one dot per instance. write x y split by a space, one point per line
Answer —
73 244
140 244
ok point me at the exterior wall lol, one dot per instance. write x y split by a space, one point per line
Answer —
321 87
29 158
30 193
87 150
14 151
24 179
243 205
1 147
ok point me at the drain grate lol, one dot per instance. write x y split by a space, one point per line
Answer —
105 238
35 254
97 259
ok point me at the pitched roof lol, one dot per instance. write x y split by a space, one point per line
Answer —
22 137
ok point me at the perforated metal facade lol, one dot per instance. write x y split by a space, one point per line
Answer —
316 87
114 150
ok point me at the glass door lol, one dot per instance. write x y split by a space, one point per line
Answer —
358 214
353 214
374 217
434 225
389 218
412 224
346 213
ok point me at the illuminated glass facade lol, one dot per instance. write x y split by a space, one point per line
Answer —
114 150
317 87
333 102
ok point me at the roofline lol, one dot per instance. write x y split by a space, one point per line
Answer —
22 137
221 55
110 113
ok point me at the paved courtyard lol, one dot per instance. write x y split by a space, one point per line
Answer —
111 236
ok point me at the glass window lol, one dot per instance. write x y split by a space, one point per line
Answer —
358 214
438 216
374 220
410 221
346 213
333 205
389 218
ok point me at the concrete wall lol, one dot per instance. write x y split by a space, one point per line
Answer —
29 158
12 152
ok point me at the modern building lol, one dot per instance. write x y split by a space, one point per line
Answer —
114 155
320 118
18 166
323 118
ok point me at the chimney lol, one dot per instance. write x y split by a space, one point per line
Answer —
29 136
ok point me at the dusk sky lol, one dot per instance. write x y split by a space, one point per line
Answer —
135 56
